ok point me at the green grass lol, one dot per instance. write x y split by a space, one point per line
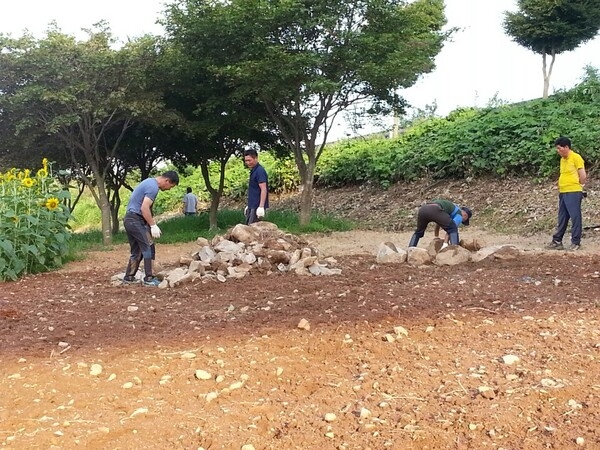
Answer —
188 229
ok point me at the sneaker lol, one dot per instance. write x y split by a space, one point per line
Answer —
152 282
574 247
130 280
555 246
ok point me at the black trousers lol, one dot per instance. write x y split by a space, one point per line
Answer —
432 212
140 243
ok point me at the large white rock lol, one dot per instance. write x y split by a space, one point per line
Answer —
178 276
244 233
484 253
497 252
417 256
389 253
207 254
507 252
228 246
435 246
452 256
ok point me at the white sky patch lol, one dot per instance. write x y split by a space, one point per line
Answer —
479 63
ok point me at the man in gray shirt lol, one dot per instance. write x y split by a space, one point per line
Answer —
141 227
190 203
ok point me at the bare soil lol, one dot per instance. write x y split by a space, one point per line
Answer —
441 385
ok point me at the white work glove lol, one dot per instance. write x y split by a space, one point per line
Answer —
260 212
444 245
246 211
155 231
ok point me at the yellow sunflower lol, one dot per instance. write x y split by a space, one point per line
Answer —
45 163
52 203
28 182
42 173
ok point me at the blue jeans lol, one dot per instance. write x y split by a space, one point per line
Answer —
140 243
569 207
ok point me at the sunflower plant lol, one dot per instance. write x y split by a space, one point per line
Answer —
34 230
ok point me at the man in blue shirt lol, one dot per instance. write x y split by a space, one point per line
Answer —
446 215
258 188
141 227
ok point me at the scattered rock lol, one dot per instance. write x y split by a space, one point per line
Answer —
400 331
389 253
486 392
330 417
510 359
304 325
211 396
202 375
95 370
364 413
452 256
418 256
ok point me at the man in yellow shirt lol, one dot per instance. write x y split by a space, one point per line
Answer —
570 193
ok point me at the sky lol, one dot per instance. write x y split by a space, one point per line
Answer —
479 63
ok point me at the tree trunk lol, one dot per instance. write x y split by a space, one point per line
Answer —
547 72
215 199
306 203
307 192
115 204
215 194
106 217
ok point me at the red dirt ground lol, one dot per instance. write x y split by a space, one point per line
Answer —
444 385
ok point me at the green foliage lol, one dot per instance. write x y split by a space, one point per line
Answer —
507 140
83 94
189 228
282 172
34 235
553 26
308 60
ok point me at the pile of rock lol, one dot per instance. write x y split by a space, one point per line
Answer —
475 251
261 247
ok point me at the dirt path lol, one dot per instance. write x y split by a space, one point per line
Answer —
502 354
335 244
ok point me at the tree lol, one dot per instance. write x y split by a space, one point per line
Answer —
551 27
85 93
213 122
308 60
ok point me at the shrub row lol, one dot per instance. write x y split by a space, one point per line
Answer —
513 139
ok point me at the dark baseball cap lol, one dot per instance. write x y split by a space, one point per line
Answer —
469 214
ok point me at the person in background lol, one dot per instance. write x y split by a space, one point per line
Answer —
258 188
141 228
570 193
446 215
190 203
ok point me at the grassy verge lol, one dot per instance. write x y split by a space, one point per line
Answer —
188 229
